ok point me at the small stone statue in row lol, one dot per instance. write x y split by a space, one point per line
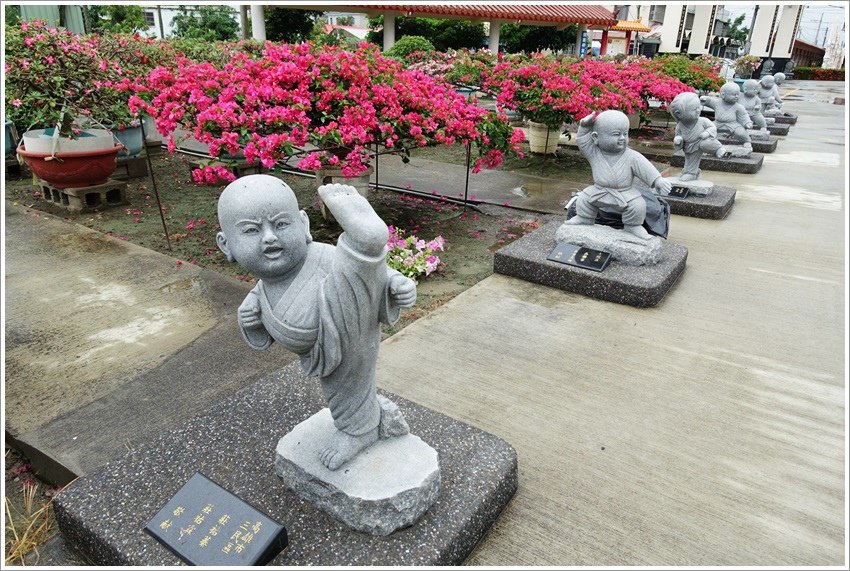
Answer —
731 118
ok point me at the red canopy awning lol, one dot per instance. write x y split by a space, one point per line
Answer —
556 14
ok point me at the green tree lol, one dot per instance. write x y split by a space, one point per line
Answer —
121 18
205 22
345 21
737 30
444 34
290 26
517 38
13 15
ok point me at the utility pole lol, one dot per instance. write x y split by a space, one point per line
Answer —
817 34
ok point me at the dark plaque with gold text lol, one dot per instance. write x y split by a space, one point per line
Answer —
680 192
204 524
580 256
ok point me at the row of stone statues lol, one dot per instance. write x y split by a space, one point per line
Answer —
326 303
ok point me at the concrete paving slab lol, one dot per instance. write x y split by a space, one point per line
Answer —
108 343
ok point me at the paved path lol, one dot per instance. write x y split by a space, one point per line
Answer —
709 430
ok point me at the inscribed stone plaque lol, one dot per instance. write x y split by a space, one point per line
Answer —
680 192
204 524
580 256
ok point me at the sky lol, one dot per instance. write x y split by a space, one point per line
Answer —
832 13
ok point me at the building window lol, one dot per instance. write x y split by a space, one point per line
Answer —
149 19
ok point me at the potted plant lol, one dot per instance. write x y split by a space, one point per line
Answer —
52 80
746 65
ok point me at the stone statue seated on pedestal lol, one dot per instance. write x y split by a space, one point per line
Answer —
730 118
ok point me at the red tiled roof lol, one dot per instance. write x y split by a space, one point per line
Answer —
631 26
555 14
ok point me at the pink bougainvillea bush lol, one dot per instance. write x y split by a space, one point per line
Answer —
323 105
554 92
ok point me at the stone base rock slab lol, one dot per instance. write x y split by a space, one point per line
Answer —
386 487
714 206
743 165
759 145
102 514
696 187
623 246
639 286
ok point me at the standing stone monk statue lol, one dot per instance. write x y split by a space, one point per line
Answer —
323 302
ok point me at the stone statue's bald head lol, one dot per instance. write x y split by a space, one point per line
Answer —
253 192
610 120
681 101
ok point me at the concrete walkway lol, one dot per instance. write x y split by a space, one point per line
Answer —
709 430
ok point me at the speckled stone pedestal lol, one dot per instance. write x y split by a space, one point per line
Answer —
759 146
714 206
784 118
743 165
639 286
780 129
233 443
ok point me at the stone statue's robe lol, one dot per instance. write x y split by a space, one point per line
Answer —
330 316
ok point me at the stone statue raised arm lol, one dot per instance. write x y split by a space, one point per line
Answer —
325 303
603 139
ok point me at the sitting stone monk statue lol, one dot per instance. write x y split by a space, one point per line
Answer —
752 104
778 78
325 303
603 139
768 94
730 117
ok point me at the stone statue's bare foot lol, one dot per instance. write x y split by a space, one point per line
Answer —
342 447
356 216
638 231
687 177
723 153
580 220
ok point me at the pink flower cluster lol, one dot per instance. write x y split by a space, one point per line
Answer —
413 256
553 92
323 105
212 175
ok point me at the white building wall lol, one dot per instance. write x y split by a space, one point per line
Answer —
702 28
168 13
673 28
765 24
787 31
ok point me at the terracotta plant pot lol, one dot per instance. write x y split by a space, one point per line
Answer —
72 170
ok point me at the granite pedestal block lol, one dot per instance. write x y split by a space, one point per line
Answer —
743 165
778 129
639 286
785 118
759 146
233 443
714 206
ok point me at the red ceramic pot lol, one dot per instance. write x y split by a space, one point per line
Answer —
73 170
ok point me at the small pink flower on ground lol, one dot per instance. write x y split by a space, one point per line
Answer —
178 263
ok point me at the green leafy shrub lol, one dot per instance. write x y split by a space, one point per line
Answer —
820 73
408 45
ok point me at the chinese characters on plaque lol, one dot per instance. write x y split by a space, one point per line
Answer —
580 256
204 524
